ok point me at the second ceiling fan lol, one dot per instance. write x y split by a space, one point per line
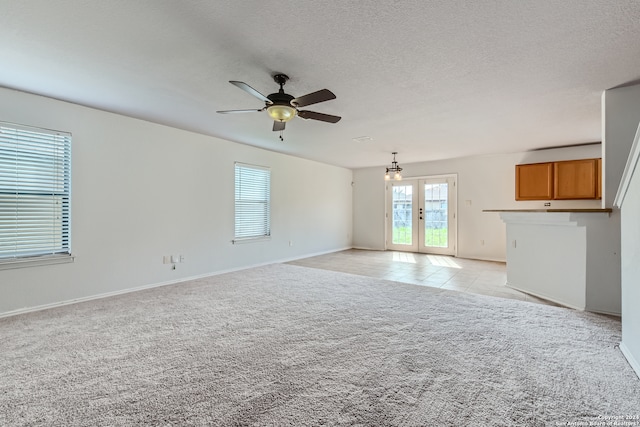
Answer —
283 107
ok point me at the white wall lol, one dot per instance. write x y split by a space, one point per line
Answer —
487 182
631 273
621 114
141 190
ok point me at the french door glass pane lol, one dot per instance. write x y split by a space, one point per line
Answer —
402 214
436 215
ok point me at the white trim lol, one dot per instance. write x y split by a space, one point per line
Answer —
603 151
442 175
561 303
367 248
35 261
156 285
629 169
500 260
635 365
288 259
548 298
608 313
250 240
481 258
103 295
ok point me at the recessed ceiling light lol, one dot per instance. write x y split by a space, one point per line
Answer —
363 139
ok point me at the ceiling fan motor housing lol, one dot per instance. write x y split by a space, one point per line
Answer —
280 98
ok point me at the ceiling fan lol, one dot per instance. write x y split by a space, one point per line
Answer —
283 107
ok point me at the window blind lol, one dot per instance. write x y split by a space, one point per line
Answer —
252 201
35 193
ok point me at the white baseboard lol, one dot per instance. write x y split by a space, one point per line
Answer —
106 295
172 282
157 285
635 365
545 297
562 303
346 248
608 313
364 248
500 260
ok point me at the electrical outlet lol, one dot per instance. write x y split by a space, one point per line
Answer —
166 259
290 242
481 242
175 258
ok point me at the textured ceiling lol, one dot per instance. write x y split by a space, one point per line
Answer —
429 79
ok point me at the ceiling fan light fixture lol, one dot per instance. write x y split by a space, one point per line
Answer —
281 113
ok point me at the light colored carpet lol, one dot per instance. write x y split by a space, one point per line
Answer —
288 345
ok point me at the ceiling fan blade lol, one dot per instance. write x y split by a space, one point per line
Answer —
245 87
278 126
240 111
319 116
313 98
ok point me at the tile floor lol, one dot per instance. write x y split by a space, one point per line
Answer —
466 275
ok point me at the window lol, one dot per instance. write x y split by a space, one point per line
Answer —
35 175
253 210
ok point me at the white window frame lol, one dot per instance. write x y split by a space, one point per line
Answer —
252 195
35 196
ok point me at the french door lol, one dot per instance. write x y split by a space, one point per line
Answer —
421 215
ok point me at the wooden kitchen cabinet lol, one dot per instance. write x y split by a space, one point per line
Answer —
599 180
534 181
575 179
565 180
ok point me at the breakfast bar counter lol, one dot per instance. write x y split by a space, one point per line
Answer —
567 256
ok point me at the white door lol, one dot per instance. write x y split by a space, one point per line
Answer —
421 215
402 216
437 215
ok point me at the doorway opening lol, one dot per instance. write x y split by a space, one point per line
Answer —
421 215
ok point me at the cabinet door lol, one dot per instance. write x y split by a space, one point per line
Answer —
599 180
575 179
534 181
